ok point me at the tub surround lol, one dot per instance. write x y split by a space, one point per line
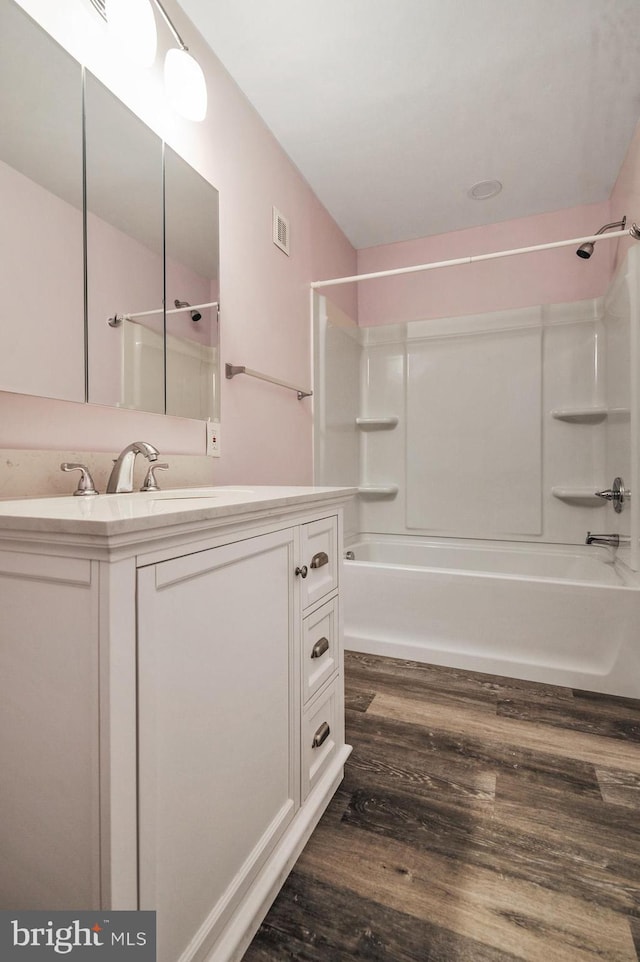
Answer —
501 463
500 425
171 748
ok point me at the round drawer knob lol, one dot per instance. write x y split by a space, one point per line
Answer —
302 571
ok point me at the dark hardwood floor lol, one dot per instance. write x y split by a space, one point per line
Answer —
481 819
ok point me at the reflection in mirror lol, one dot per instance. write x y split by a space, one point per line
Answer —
191 237
42 344
125 273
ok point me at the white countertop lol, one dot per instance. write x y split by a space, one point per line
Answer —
109 514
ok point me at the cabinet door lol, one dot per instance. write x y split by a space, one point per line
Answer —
49 731
217 744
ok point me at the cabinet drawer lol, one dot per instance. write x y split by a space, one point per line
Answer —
322 735
320 555
319 648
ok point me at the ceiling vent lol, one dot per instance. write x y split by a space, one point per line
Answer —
280 231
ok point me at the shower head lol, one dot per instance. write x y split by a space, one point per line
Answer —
586 250
195 315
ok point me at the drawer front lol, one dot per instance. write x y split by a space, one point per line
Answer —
319 648
320 555
321 737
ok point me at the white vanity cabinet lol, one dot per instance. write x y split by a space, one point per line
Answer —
172 708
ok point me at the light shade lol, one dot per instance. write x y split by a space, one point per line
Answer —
132 25
185 84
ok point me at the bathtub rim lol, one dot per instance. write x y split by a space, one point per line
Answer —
629 579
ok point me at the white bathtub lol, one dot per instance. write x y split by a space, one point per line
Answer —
564 615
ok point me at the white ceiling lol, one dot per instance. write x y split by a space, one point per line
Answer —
393 109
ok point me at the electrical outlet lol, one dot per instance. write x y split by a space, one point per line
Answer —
213 439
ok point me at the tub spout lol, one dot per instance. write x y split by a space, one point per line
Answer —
612 540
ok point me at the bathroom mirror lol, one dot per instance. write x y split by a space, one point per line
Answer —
191 259
42 343
125 264
45 347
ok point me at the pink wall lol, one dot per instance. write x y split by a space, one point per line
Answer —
547 277
625 197
265 314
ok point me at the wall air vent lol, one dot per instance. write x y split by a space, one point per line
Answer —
280 231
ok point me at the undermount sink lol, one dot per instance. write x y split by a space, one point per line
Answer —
181 494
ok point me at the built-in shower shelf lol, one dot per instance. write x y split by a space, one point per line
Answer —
584 497
376 424
588 414
378 490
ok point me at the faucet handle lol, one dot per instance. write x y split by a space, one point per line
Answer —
150 482
86 486
617 493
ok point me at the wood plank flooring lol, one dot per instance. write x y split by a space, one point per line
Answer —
481 819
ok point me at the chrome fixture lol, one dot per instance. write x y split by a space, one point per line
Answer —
150 482
195 315
86 487
121 479
230 370
586 250
617 494
116 319
611 540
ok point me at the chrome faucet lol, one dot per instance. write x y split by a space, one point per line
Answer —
121 479
612 540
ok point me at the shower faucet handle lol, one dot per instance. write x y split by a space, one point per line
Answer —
616 494
86 487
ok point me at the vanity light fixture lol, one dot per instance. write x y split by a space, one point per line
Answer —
132 25
183 77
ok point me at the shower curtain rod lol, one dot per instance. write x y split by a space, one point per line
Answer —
119 318
633 231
